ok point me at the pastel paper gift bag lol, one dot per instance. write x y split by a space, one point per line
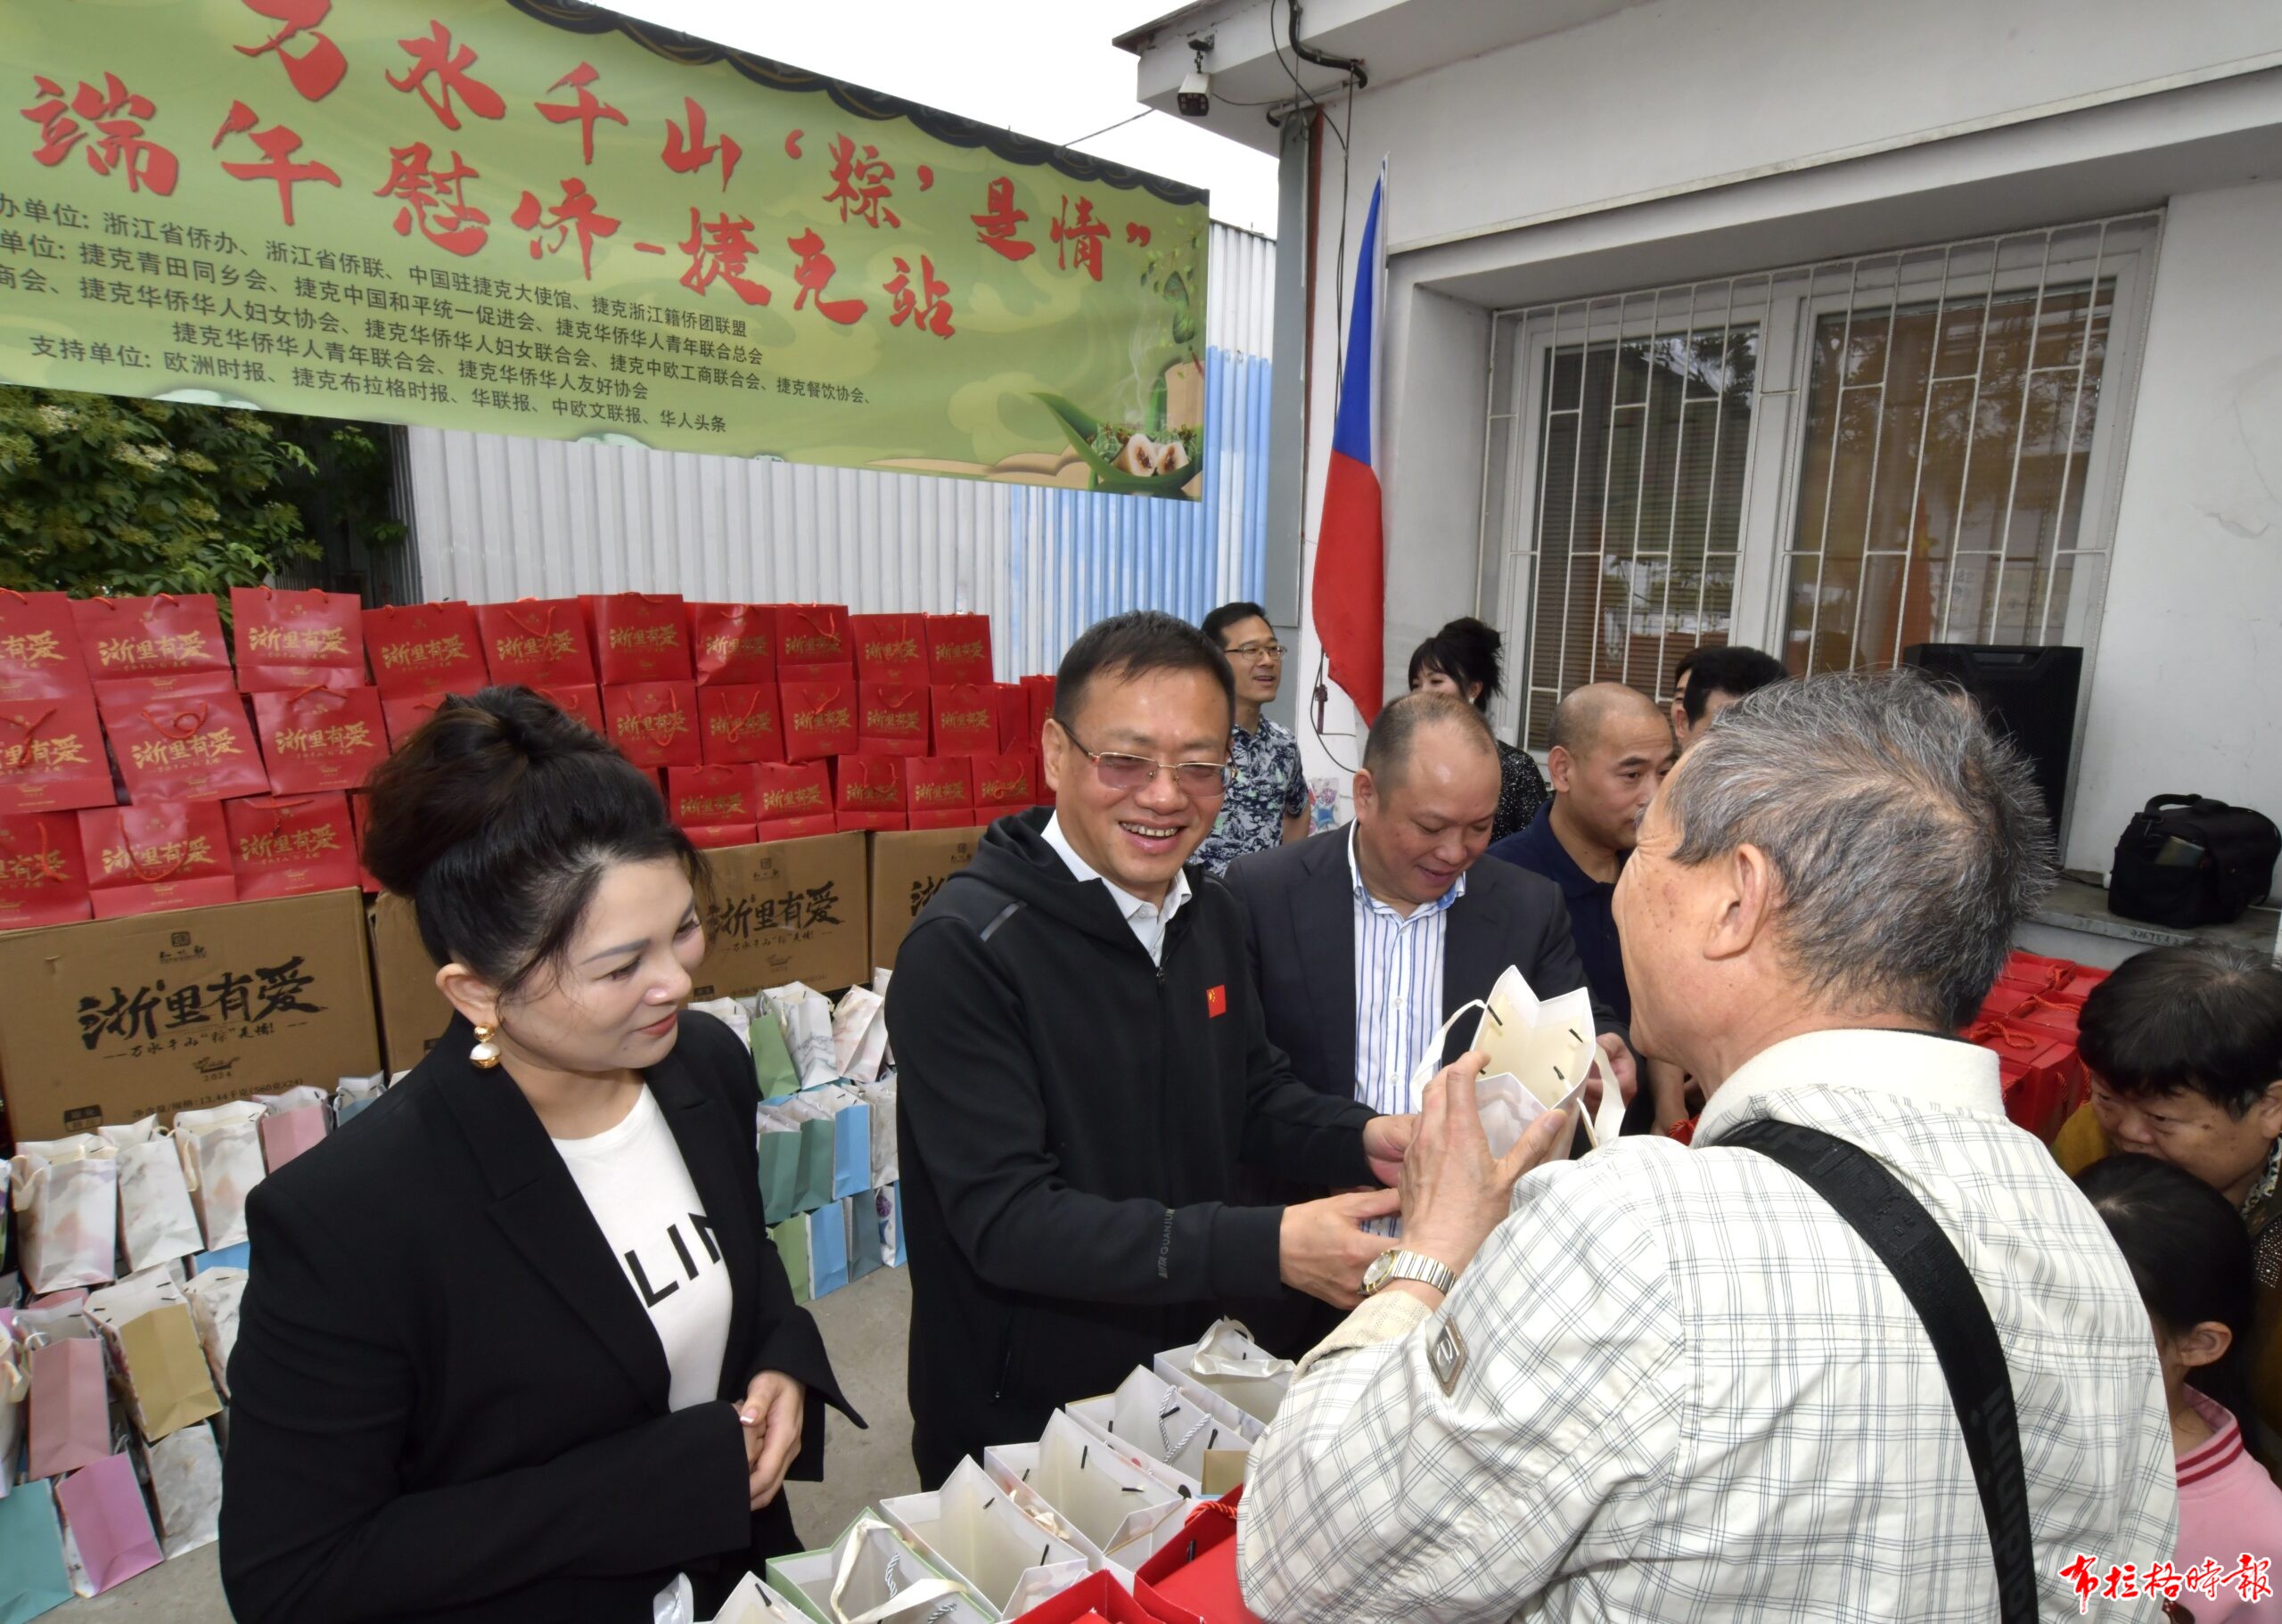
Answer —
154 1342
355 1095
215 1294
66 1195
33 1579
68 1411
1167 1431
780 1164
970 1530
221 1157
859 1036
157 1222
827 1248
1228 1364
790 1239
1097 1499
106 1518
772 1058
185 1470
805 1015
293 1122
862 1239
752 1602
870 1576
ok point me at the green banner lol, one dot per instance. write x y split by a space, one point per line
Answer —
536 217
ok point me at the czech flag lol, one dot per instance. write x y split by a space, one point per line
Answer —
1349 584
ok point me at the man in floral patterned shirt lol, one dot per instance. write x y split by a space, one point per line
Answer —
1267 799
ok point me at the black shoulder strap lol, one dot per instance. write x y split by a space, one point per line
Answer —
1895 1224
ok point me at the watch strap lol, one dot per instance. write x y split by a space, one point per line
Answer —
1419 1266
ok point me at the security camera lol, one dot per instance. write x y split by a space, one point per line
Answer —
1194 98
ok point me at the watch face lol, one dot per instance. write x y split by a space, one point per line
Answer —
1376 1276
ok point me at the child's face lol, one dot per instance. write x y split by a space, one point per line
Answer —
2192 1131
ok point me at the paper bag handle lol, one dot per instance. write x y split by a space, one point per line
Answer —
903 1600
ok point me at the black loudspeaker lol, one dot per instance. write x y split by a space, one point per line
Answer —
2027 694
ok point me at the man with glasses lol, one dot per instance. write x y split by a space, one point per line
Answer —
1084 1067
1266 802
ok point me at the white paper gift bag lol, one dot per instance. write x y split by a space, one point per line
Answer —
221 1159
157 1222
186 1472
859 1034
66 1196
870 1576
214 1295
1088 1493
1228 1364
1170 1430
736 1013
805 1017
15 1387
752 1602
971 1529
355 1095
886 1160
1548 1046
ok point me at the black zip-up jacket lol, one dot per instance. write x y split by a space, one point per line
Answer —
1072 1117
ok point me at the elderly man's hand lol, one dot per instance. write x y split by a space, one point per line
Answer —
1454 1192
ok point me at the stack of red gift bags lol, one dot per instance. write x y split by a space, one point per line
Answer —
2029 1019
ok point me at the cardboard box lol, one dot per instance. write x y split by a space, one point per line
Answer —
114 1018
787 911
906 870
412 1013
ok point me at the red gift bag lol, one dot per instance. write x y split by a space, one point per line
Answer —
39 647
43 872
536 643
52 756
2037 1069
152 859
938 783
812 638
426 648
320 738
739 723
193 749
870 792
653 723
698 795
1196 1571
581 703
296 639
733 644
891 649
959 649
2058 979
800 792
357 814
1013 708
1005 780
1099 1599
138 639
711 837
966 719
819 719
291 845
640 638
407 714
895 720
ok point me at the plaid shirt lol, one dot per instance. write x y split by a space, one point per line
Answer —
1692 1393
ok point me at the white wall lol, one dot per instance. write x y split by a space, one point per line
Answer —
2187 690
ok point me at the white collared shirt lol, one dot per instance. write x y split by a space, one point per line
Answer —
1398 991
1691 1392
1147 919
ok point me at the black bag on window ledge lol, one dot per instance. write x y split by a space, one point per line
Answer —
2187 860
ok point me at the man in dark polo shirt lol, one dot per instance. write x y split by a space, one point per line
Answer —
1612 747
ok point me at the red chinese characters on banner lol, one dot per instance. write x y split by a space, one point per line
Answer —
1137 234
686 153
456 225
577 212
117 114
935 315
278 144
316 72
585 111
436 56
1081 237
813 273
998 220
860 186
720 250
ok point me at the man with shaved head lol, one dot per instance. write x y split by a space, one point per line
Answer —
1612 747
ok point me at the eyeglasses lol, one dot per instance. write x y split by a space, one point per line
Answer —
1204 780
1259 651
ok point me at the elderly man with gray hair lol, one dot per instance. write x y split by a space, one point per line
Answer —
1863 1353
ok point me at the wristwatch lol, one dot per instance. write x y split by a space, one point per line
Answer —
1395 1264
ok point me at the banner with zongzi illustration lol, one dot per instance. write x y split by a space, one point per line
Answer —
536 217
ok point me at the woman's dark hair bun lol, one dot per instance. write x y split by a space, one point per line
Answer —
1465 650
497 818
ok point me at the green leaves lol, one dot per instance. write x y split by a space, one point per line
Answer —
1089 435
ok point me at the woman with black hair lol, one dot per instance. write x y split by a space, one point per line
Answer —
1463 659
515 1345
2192 1263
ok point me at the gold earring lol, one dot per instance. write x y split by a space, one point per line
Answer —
486 1053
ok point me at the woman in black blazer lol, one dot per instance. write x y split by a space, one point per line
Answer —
456 1393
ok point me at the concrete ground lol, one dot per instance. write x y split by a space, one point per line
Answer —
864 1327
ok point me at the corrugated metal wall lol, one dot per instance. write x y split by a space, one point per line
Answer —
496 517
